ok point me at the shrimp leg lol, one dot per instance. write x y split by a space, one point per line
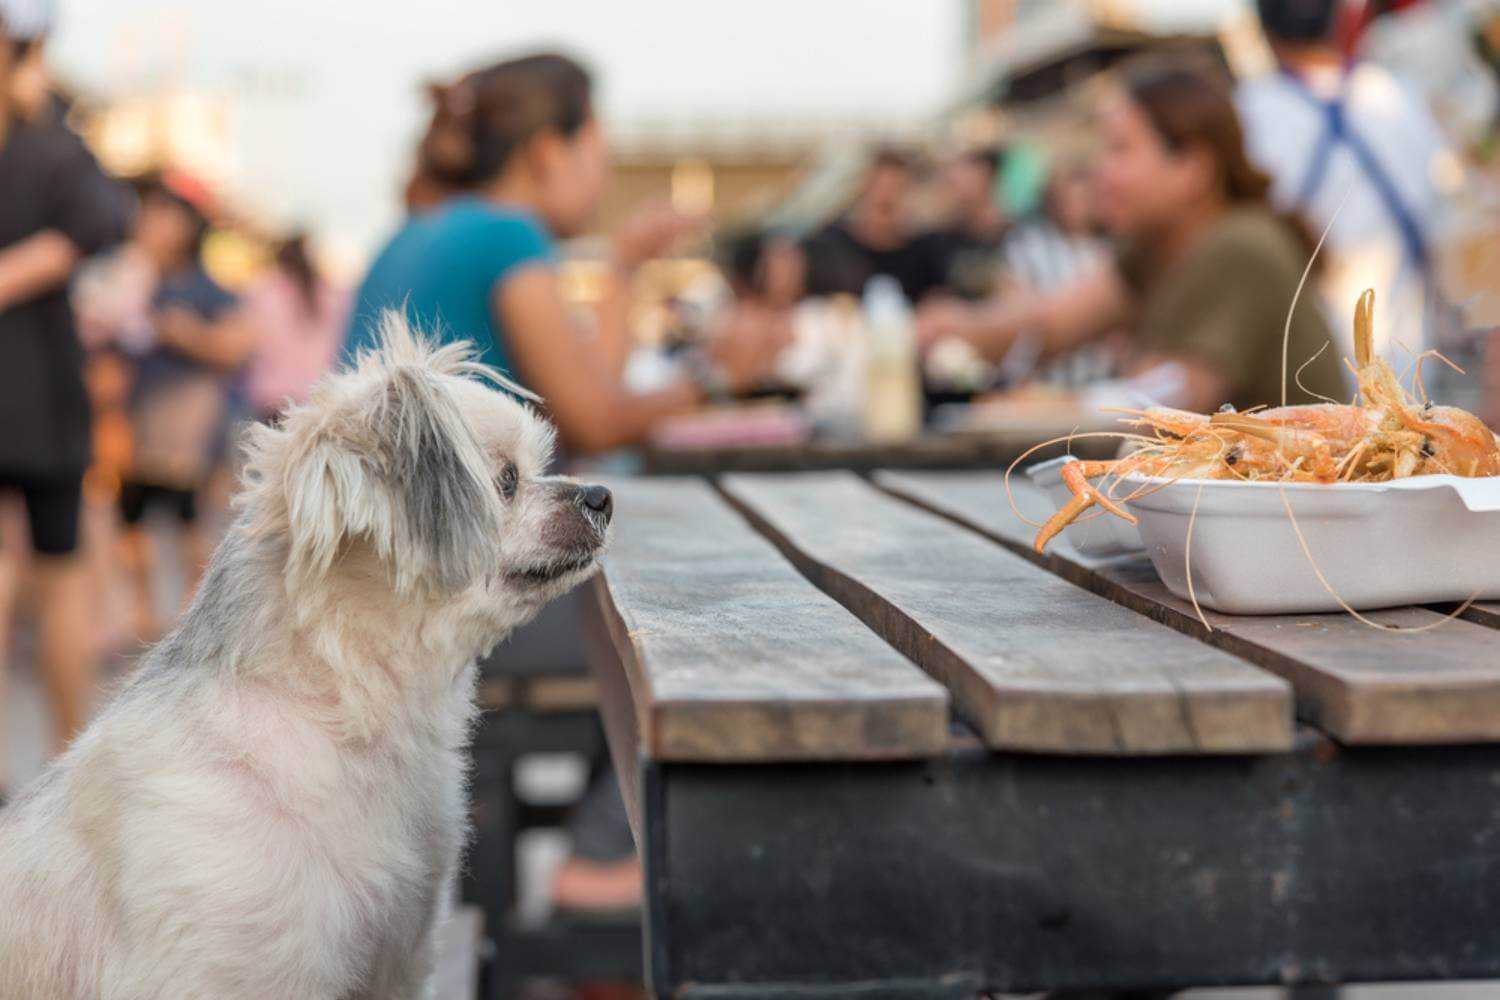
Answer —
1076 475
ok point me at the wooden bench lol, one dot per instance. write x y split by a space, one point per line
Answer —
873 746
539 703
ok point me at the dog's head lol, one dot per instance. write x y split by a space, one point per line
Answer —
414 468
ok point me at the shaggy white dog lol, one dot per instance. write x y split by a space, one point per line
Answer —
273 807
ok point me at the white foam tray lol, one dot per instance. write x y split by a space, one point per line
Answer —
1412 541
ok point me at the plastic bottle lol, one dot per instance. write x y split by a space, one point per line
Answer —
836 399
893 394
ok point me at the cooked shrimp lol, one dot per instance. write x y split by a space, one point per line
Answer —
1385 435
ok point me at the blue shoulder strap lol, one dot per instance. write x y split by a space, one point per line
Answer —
1338 131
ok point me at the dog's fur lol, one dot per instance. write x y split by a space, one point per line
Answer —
274 805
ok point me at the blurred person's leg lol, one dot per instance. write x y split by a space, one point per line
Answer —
99 541
13 545
109 377
139 559
69 665
14 542
193 548
603 872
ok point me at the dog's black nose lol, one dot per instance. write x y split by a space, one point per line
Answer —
598 498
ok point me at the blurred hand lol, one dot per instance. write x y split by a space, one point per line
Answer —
940 318
177 326
652 232
746 345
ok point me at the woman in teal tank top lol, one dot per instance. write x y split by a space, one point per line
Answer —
514 159
442 269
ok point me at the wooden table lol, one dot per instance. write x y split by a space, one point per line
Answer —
875 747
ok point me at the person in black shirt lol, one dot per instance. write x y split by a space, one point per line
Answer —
968 245
875 237
56 207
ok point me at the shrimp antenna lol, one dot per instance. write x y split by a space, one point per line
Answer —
1286 333
1322 579
1298 376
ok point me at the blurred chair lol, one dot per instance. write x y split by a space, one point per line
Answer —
537 698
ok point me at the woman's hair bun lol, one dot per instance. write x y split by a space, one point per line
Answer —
480 121
447 151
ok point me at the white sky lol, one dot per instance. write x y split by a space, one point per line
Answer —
328 90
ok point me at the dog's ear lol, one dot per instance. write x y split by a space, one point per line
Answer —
403 471
450 508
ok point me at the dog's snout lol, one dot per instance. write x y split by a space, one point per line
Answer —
598 498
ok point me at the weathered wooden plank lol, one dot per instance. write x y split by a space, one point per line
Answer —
1361 685
1033 662
733 656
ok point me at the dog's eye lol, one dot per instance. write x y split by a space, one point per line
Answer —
508 479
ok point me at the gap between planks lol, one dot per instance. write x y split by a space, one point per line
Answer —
1486 613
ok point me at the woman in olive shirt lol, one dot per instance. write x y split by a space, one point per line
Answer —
1206 270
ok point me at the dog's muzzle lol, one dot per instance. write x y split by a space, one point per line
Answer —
576 533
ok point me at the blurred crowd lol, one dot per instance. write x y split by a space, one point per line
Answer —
126 367
1163 263
1160 263
1165 252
